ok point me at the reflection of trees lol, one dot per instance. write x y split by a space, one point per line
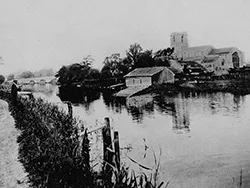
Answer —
224 102
114 103
139 105
237 101
165 104
137 113
78 95
135 106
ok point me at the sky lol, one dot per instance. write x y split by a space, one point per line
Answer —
37 34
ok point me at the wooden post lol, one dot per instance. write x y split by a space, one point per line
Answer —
117 149
107 149
70 111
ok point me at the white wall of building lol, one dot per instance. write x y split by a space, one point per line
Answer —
138 81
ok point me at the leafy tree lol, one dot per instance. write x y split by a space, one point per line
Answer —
76 72
2 79
94 74
44 72
87 61
26 74
163 56
10 77
111 66
133 53
145 59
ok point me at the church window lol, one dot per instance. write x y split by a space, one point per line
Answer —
174 38
223 62
182 38
235 60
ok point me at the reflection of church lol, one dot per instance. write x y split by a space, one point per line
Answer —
218 60
181 116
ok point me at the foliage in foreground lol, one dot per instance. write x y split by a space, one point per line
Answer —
54 155
50 148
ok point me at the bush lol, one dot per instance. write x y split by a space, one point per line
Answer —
54 155
50 148
2 79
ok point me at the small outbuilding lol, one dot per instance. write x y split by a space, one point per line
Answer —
142 77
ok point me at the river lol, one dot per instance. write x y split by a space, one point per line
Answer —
202 139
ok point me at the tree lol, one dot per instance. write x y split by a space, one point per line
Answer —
10 77
133 53
94 74
145 59
2 79
163 56
111 66
87 61
76 72
44 72
26 74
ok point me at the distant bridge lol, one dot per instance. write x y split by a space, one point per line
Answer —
38 80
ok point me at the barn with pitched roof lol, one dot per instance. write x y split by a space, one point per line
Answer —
147 76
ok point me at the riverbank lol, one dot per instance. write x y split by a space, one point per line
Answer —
240 87
54 150
12 174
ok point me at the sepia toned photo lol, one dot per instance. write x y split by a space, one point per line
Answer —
124 94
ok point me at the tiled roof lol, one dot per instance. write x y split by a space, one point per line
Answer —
219 51
148 71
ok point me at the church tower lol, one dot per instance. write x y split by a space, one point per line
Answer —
179 41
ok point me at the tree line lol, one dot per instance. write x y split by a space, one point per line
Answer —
114 66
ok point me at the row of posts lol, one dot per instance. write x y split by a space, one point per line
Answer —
111 157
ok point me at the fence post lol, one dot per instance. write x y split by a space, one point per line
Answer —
117 149
107 149
70 111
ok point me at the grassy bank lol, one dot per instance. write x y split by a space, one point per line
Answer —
55 155
49 146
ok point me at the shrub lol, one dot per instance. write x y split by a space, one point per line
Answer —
54 155
2 79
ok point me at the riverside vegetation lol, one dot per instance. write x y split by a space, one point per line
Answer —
55 155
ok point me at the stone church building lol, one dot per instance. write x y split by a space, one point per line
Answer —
218 60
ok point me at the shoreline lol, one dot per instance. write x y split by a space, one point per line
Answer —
12 172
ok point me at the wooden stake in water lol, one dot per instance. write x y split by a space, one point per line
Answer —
107 149
117 149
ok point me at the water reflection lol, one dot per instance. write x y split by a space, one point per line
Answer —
177 107
46 89
181 116
77 95
214 129
139 106
113 103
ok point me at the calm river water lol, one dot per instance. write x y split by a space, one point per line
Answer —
204 139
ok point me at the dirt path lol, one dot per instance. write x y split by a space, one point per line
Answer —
12 174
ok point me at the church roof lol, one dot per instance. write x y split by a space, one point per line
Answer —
197 48
219 51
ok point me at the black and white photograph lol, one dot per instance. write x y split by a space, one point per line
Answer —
124 94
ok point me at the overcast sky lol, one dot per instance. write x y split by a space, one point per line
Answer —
37 34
